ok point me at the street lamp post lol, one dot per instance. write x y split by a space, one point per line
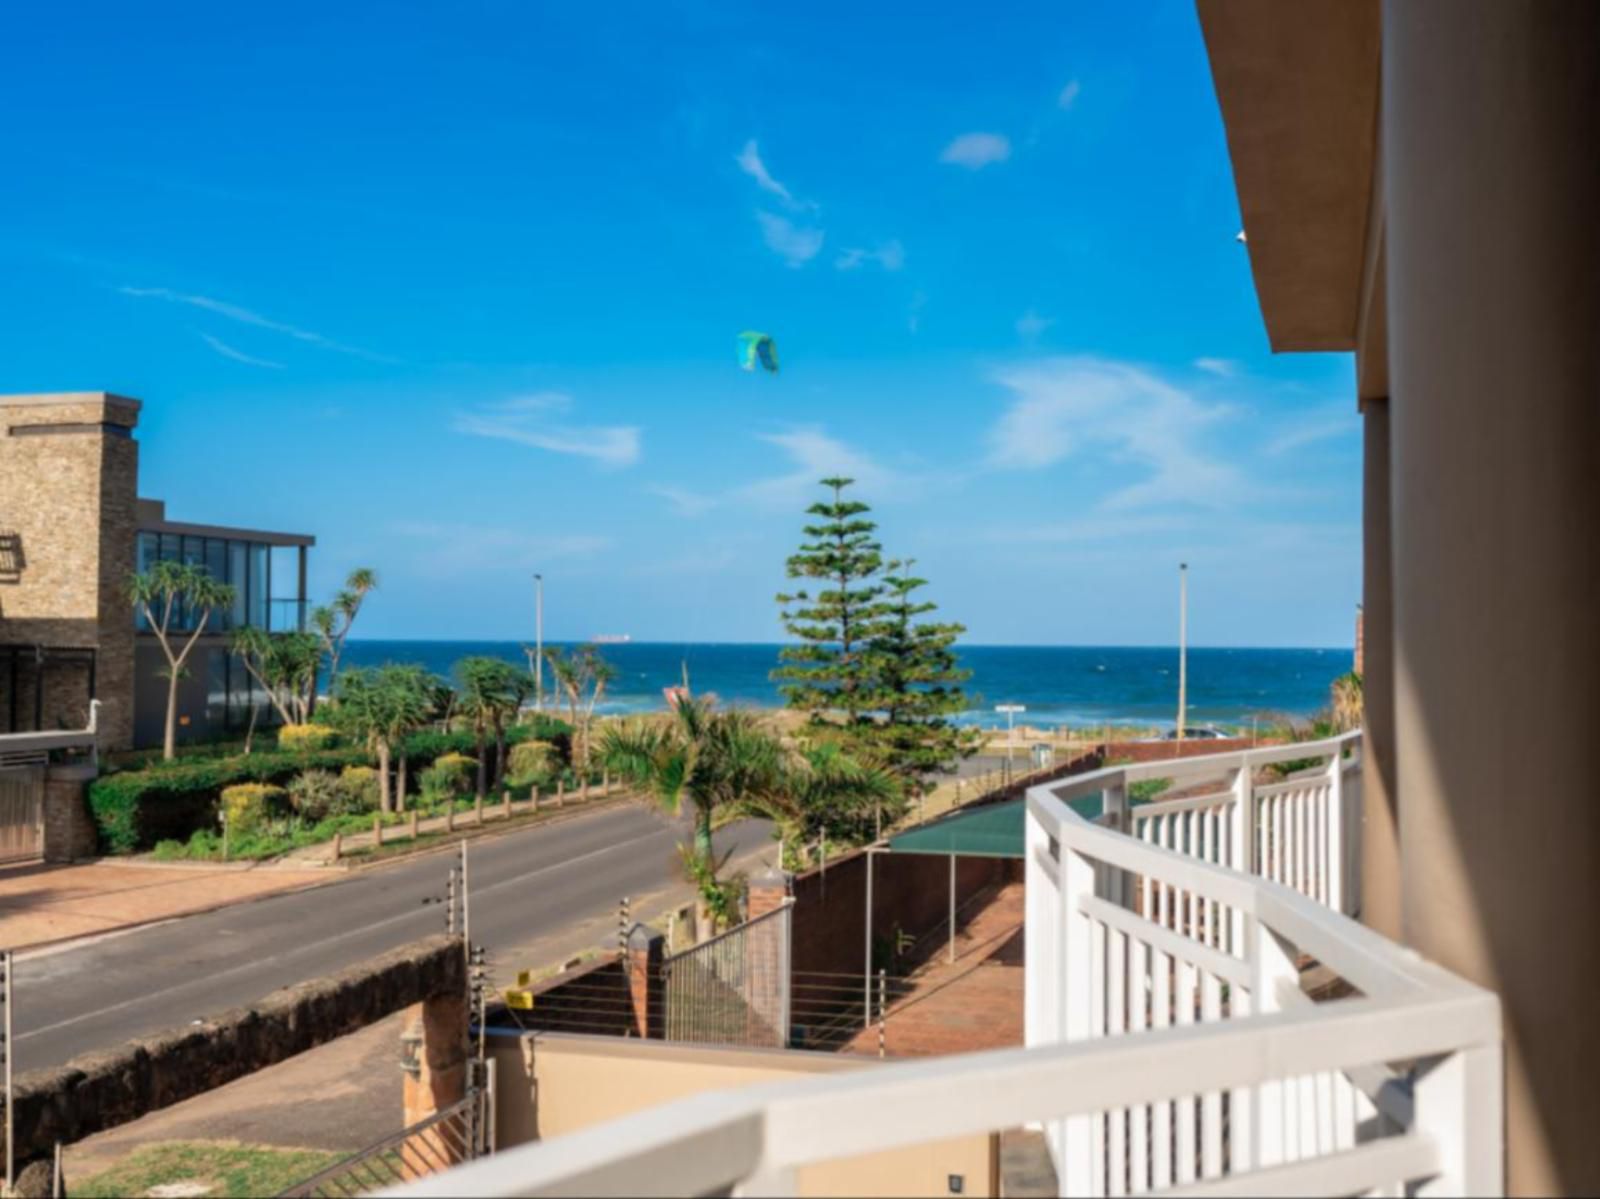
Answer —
538 643
1011 711
1183 646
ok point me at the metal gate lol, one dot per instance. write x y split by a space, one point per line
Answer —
21 813
735 988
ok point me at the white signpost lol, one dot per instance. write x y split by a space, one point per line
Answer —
1011 711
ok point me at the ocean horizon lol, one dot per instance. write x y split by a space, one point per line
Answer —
1071 686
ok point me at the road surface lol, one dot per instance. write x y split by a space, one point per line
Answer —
538 896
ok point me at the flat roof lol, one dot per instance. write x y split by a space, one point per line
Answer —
1298 88
152 517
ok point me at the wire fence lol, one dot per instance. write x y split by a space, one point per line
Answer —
734 988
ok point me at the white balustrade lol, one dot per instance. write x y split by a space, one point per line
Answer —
1170 1045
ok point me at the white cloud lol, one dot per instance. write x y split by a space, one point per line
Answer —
890 255
749 160
683 501
796 246
521 420
977 150
919 301
1030 325
1069 94
1065 406
815 456
449 550
1323 427
227 351
1224 368
244 316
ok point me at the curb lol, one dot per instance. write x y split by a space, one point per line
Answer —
338 873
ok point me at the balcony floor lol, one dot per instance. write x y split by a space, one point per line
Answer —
971 1004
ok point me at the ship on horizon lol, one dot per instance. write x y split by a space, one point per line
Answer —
611 638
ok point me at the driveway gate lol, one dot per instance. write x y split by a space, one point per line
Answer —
21 813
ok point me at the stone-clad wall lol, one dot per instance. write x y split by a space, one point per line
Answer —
67 499
101 1090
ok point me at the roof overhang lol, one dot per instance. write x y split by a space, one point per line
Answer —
1298 85
152 517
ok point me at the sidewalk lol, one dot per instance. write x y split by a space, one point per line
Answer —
40 904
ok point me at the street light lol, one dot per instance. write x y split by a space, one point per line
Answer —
538 643
1011 711
1183 648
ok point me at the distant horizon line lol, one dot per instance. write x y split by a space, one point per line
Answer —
549 641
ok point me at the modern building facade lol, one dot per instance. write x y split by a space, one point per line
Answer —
72 531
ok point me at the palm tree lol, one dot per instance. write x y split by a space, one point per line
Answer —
381 707
703 759
489 688
581 676
331 622
821 790
284 665
171 595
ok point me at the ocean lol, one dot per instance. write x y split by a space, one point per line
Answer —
1079 686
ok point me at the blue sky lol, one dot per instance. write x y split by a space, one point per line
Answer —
456 289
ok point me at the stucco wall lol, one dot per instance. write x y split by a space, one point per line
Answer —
582 1081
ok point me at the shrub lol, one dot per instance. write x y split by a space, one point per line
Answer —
134 808
248 807
451 774
298 738
318 794
360 786
532 762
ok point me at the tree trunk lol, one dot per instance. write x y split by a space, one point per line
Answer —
384 800
482 754
400 783
169 743
499 753
702 835
250 732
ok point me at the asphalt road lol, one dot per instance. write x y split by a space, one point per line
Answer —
537 896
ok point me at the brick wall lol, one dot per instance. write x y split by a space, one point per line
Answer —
67 505
69 831
592 998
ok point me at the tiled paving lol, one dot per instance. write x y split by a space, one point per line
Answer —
967 1005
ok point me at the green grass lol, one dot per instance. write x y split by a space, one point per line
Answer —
232 1170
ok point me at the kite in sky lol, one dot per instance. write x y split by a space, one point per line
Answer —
758 347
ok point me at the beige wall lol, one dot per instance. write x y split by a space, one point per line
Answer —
1491 116
68 495
582 1081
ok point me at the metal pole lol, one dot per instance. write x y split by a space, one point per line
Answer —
867 968
11 1159
494 1113
466 903
883 1012
538 643
952 907
1183 644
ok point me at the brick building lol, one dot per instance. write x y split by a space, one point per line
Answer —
72 531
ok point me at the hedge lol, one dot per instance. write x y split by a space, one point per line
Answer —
168 801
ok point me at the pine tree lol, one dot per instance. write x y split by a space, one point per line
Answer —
917 685
830 671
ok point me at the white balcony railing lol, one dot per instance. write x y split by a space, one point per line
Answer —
1171 1043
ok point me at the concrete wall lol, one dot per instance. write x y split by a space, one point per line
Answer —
67 499
590 998
550 1084
101 1090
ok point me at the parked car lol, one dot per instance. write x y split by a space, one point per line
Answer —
1199 734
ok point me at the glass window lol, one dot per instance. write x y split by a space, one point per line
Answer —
216 687
147 552
217 568
171 547
238 580
260 583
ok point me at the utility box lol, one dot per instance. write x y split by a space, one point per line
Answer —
1042 755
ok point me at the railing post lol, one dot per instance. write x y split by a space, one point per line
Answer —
1075 1161
1457 1100
1041 939
1242 843
1334 840
1272 968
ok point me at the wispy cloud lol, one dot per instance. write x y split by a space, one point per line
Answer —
245 316
795 245
1069 94
524 420
1030 325
1066 405
449 550
919 301
1323 426
815 455
890 255
749 160
227 351
1223 368
683 501
977 150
